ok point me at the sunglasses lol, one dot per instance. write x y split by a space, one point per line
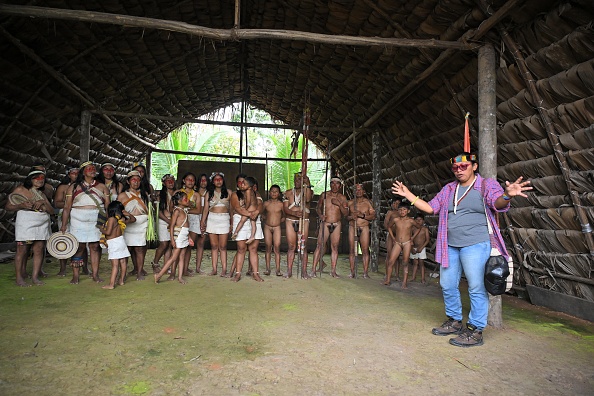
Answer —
461 167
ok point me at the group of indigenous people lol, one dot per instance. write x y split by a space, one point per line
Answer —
95 206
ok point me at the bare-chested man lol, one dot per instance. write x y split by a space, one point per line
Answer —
390 214
400 229
273 215
332 206
361 212
295 205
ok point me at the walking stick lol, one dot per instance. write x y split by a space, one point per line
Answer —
323 246
302 243
355 200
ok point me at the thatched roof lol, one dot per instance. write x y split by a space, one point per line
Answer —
52 68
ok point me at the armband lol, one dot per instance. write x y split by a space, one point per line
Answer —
414 200
506 197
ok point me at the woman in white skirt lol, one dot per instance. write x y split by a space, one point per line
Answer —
86 198
135 199
32 226
216 220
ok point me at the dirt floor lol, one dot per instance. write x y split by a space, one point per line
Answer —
281 337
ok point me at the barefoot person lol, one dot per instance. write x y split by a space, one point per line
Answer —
244 235
296 208
59 202
86 199
201 237
189 187
251 204
259 234
419 249
216 221
135 199
165 194
179 234
117 251
361 212
400 229
272 212
391 213
332 206
32 225
463 242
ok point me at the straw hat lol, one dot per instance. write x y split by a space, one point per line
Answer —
62 245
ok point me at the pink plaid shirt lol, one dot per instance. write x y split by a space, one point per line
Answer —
440 204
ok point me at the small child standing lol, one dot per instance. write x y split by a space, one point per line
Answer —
180 236
273 218
117 251
420 242
400 230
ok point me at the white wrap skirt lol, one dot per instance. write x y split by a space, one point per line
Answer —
194 220
182 239
246 230
117 248
164 235
83 225
135 233
217 223
32 226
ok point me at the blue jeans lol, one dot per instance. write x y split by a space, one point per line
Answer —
472 260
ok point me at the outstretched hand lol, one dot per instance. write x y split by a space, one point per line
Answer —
517 188
399 188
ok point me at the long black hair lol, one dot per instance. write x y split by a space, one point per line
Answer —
184 177
177 196
211 187
145 184
116 180
144 191
80 177
115 208
250 181
28 182
163 195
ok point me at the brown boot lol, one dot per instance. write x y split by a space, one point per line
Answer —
469 337
449 327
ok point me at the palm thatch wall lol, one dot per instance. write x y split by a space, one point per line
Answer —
54 65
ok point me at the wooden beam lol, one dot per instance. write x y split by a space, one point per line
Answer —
66 83
226 34
211 122
443 58
158 150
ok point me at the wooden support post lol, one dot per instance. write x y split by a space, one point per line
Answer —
149 163
85 135
488 142
376 195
